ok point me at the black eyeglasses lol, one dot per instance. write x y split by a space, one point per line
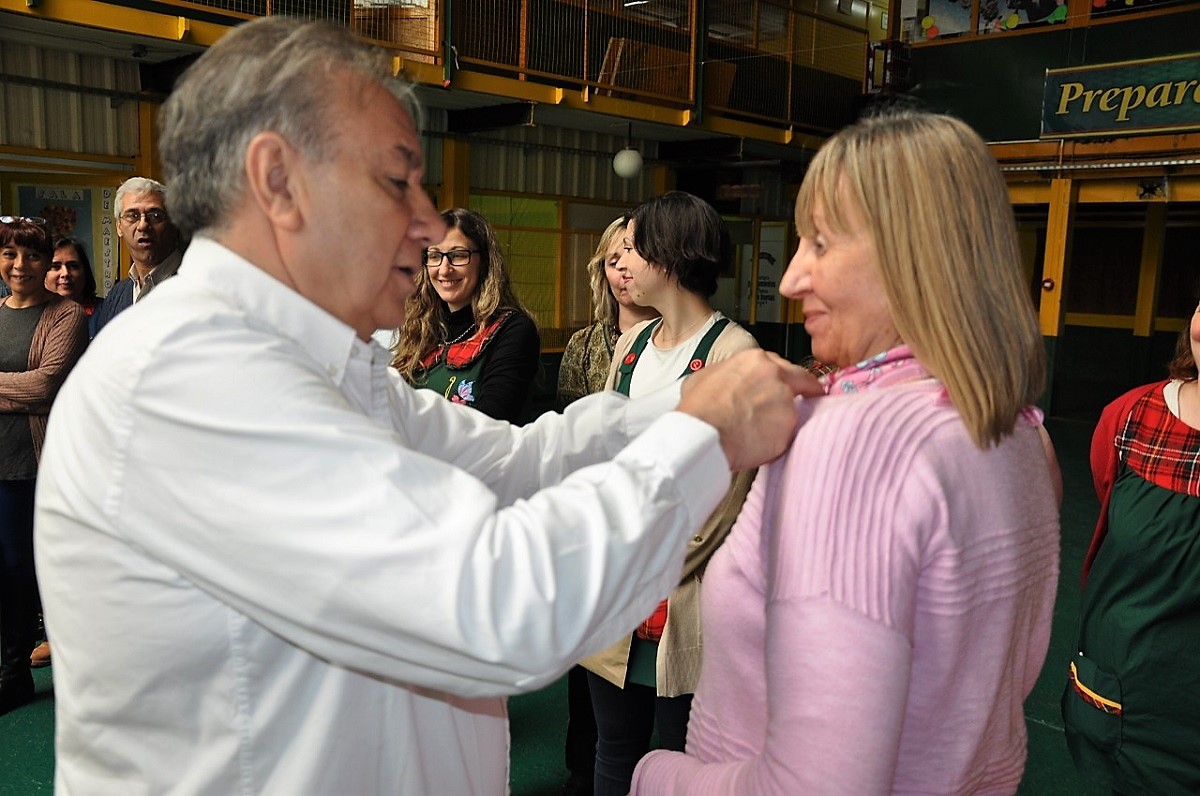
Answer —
153 216
456 257
41 222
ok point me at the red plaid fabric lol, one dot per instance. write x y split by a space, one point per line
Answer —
464 353
1160 447
652 628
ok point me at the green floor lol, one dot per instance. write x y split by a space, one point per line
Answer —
539 719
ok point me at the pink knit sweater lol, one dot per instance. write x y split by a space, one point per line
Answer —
879 612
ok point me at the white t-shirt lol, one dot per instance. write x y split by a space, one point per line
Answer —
658 367
1171 395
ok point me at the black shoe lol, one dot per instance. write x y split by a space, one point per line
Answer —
577 785
15 692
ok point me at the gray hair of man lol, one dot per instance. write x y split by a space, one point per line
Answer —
137 186
274 74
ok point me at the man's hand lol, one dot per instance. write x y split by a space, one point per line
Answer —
749 399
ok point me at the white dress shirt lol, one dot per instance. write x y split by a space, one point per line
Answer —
269 566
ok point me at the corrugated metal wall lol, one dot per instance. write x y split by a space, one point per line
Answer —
556 162
52 99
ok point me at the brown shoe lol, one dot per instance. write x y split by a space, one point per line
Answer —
40 656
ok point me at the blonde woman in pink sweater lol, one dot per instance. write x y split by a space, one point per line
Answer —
882 607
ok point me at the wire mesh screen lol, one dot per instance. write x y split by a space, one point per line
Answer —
643 50
777 60
333 10
410 25
769 59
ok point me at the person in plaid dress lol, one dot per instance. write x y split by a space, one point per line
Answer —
1131 706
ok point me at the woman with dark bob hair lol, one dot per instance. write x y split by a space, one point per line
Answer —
675 247
42 335
71 275
1131 706
466 334
882 608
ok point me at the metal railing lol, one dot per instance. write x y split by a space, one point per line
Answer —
763 60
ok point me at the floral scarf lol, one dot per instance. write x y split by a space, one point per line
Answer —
893 366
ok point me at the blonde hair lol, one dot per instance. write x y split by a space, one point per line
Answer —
936 206
424 328
603 300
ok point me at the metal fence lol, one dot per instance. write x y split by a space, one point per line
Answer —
797 62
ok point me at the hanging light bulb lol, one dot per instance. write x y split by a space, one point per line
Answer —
628 162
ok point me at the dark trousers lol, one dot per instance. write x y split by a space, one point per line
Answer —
581 725
18 584
625 721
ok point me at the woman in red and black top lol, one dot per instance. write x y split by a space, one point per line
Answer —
1131 707
466 333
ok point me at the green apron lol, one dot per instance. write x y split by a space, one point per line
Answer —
643 654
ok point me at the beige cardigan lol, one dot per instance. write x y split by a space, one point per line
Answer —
677 669
59 338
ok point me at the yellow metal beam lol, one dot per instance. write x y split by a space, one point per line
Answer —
1099 321
121 19
456 173
1029 193
146 163
507 87
1151 268
1123 321
1063 193
662 179
418 72
629 109
18 152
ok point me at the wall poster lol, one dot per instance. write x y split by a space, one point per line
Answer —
83 212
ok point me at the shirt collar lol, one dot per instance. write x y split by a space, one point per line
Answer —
165 266
266 300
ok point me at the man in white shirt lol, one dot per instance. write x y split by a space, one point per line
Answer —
152 240
272 567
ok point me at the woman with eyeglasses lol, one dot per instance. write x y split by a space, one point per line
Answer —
466 334
71 275
42 335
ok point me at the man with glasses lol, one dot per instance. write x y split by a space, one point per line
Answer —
152 240
270 566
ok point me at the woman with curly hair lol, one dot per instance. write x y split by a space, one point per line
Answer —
466 334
